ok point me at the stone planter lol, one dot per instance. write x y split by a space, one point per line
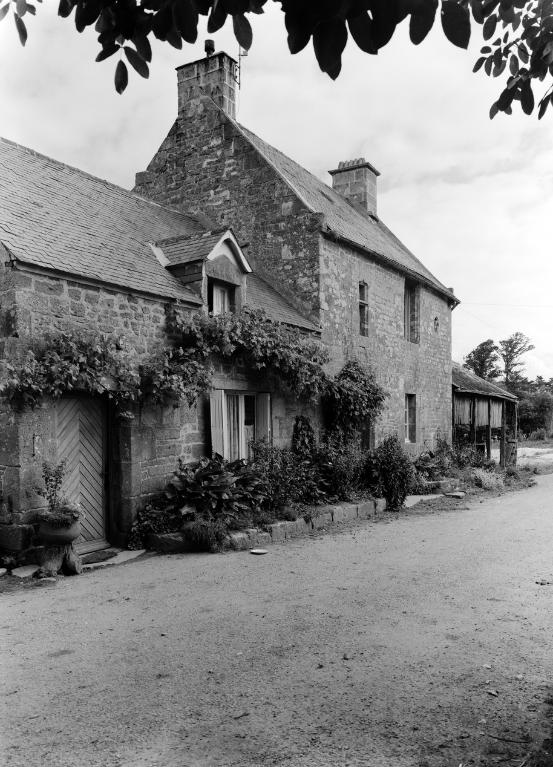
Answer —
58 536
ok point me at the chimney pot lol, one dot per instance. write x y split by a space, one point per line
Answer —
209 47
356 181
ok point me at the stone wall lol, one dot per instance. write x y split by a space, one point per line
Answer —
400 366
205 165
142 452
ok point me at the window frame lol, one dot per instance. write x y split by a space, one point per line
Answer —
220 417
363 308
411 312
225 289
410 420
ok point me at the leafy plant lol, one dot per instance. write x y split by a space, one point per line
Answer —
60 512
487 480
175 376
271 347
342 464
69 362
395 472
353 398
288 478
303 437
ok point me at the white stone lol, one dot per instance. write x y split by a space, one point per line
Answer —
25 572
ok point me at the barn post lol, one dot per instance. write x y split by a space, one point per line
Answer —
489 430
473 421
503 445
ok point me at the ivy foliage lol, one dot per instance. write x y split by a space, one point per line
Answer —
520 31
73 362
353 398
267 346
97 364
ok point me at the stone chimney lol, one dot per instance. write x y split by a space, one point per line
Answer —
356 181
216 75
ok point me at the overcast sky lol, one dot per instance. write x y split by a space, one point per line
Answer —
472 198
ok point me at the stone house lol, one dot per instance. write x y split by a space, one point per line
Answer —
325 247
78 253
219 220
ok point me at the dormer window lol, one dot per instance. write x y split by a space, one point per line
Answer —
220 297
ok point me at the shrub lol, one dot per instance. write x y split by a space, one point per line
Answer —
395 472
353 398
216 495
287 477
487 480
342 463
303 437
538 435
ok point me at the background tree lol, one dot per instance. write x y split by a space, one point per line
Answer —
535 411
520 32
483 360
511 350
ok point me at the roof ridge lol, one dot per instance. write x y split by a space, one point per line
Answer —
111 184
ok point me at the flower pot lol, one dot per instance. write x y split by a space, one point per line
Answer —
58 536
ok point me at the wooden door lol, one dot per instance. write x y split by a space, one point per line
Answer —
81 435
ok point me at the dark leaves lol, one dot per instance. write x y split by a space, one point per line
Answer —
217 17
21 29
107 51
488 29
526 97
121 76
456 23
329 41
136 61
3 11
186 20
360 27
242 31
422 21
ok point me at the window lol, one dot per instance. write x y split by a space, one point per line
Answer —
236 419
410 418
411 312
363 309
220 297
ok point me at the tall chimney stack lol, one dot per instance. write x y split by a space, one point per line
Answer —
356 181
215 75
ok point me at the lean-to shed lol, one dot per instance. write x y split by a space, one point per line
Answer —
483 412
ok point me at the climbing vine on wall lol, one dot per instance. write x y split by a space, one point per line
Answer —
73 362
99 364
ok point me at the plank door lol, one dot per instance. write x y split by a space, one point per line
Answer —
81 435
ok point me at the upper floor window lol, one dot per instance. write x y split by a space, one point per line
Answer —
410 417
411 313
363 309
220 297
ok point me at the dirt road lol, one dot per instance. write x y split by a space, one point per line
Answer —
422 641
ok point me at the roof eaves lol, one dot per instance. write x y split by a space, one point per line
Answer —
29 266
391 263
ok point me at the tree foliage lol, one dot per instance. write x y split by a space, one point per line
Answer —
520 32
511 350
482 360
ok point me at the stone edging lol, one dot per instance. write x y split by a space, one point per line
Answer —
323 518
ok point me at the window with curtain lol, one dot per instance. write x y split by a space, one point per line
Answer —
237 418
220 297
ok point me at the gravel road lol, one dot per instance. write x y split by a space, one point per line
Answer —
424 641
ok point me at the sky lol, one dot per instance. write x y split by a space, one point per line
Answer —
472 198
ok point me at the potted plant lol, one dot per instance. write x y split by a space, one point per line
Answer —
60 522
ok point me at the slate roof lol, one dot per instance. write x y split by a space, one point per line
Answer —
58 217
194 247
344 221
467 382
261 295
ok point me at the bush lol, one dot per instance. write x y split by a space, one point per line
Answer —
287 477
538 435
395 472
342 464
303 437
487 480
216 495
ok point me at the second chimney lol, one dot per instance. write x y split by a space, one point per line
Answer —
215 75
356 181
